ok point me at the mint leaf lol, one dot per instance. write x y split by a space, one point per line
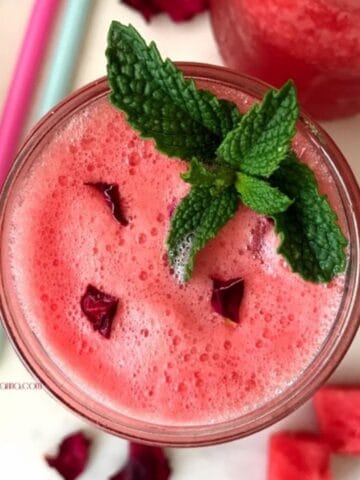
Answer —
183 120
260 196
196 220
311 240
217 178
262 139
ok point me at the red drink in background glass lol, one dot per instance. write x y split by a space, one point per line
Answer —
314 42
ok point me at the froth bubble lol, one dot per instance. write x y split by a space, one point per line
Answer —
182 387
134 159
142 238
183 256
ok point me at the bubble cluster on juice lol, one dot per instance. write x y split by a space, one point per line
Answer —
170 358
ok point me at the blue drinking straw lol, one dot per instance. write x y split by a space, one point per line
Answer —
65 54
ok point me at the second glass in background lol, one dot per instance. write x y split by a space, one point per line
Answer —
314 42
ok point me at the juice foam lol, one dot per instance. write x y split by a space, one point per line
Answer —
171 358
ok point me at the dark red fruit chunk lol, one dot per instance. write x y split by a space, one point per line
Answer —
338 412
227 296
144 463
100 309
110 192
178 10
72 456
298 456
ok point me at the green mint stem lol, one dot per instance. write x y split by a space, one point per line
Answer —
216 178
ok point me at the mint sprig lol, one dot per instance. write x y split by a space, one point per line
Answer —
272 122
184 121
233 159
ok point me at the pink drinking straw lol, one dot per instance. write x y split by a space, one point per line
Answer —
23 82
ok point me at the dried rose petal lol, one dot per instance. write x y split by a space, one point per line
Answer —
144 463
148 8
100 308
227 296
72 456
178 10
110 192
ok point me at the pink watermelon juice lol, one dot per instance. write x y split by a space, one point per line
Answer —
314 42
170 358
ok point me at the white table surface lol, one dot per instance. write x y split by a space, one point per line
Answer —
31 422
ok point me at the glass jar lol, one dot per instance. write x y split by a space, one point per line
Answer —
73 395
